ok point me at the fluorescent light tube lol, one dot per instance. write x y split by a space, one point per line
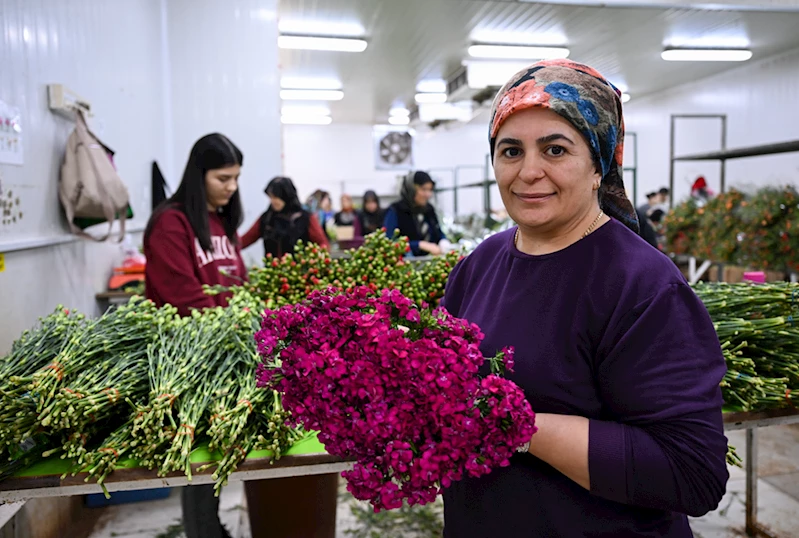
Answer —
399 120
399 111
431 86
311 95
482 74
706 55
299 83
305 110
335 44
517 52
431 97
445 112
625 97
325 28
306 120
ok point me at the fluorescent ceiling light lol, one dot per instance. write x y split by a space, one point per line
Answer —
335 44
516 52
463 111
312 95
399 111
551 38
706 55
306 120
326 28
298 83
482 74
431 86
431 97
305 110
625 97
399 120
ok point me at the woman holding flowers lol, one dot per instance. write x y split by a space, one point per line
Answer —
615 353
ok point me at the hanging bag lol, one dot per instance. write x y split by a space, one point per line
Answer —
90 189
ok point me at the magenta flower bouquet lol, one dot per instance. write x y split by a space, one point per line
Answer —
395 388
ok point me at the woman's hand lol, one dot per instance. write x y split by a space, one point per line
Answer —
430 248
562 442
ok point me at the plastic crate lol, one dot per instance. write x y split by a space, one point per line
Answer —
96 500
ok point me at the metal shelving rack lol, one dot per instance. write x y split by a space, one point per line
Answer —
723 154
751 422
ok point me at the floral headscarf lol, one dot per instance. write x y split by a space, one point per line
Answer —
591 104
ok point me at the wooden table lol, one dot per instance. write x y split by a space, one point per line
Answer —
17 489
113 297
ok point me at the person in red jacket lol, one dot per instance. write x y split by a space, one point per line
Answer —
285 222
191 241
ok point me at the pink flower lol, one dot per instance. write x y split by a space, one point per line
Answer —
408 406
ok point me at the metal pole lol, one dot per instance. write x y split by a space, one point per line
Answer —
723 178
635 168
751 482
455 194
456 182
671 163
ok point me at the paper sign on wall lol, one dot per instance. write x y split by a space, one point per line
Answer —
10 135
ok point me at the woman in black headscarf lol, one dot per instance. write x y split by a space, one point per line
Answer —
371 216
285 222
414 217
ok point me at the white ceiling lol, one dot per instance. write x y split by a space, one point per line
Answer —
413 40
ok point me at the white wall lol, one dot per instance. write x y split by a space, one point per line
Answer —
337 158
109 52
760 101
340 158
224 74
159 74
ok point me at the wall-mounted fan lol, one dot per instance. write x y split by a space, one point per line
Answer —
393 150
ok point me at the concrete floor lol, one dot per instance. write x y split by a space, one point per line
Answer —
778 488
161 519
778 500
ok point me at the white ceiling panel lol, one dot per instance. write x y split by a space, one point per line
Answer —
414 40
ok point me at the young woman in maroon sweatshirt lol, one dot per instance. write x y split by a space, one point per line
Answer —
191 238
190 241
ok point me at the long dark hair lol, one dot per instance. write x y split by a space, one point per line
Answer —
283 188
211 152
371 195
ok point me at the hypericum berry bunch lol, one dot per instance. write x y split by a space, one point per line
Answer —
289 279
378 264
396 388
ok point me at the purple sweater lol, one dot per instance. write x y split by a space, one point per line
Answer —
607 329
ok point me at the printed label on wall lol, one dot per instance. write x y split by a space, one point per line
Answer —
10 135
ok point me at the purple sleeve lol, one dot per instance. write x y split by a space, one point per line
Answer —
662 445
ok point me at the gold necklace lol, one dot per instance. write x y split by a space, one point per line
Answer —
588 231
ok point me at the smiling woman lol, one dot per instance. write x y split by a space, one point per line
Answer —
548 180
615 353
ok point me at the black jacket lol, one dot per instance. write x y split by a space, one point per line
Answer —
281 231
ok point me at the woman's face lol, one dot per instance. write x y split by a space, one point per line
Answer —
346 203
277 203
423 194
220 185
370 205
544 170
325 204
